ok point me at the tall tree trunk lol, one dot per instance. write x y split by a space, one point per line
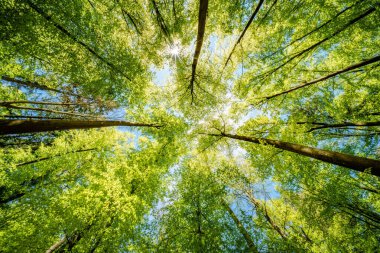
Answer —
33 126
161 22
349 68
245 30
203 6
49 18
57 245
35 85
357 163
251 245
50 157
339 125
315 45
262 209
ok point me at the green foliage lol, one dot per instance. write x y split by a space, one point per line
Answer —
165 188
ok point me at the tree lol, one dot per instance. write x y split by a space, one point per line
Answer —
249 126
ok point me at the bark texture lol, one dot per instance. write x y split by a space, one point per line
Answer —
357 163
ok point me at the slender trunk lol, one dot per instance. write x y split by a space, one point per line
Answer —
315 45
251 245
129 16
34 126
36 85
202 15
34 181
345 124
10 106
245 30
161 21
267 13
357 163
14 196
39 103
349 68
281 49
54 156
261 208
199 224
57 245
49 18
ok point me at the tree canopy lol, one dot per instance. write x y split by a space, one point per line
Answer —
189 126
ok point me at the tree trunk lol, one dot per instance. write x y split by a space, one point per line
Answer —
259 207
315 45
357 163
245 30
339 125
49 18
50 157
349 68
57 245
251 245
36 85
203 6
34 126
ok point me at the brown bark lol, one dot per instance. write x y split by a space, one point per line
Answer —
357 163
202 15
349 68
33 126
251 245
245 30
49 18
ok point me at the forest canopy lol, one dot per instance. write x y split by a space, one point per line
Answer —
189 126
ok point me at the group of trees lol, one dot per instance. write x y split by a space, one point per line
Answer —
265 138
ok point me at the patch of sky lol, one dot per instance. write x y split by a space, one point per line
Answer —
161 76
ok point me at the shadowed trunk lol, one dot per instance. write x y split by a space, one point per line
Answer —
357 163
340 125
262 208
251 245
34 126
57 245
203 6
